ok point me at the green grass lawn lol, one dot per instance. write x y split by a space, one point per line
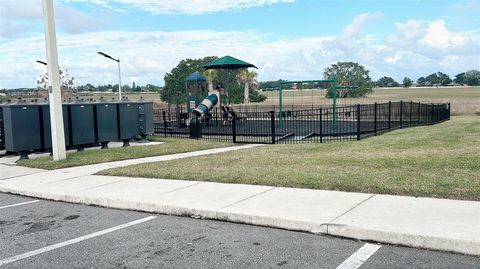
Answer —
433 161
171 146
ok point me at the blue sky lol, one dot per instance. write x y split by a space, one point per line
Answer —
287 39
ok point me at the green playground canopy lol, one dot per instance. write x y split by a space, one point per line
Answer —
196 76
228 62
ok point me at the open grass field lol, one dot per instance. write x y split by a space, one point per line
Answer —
464 100
433 161
171 146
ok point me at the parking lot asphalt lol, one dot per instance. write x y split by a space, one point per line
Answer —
46 234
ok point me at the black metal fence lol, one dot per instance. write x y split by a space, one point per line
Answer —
298 126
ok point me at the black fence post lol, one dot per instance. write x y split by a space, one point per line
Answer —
401 114
389 115
411 111
272 120
321 127
449 109
375 121
358 121
164 123
234 131
197 128
419 112
431 113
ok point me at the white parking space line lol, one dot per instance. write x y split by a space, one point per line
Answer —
72 241
24 203
359 257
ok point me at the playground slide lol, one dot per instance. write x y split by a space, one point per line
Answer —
206 105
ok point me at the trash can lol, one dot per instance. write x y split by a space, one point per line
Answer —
196 129
106 123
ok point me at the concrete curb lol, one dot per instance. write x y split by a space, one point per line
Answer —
341 230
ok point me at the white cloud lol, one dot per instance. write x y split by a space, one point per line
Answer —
25 17
437 36
191 7
154 53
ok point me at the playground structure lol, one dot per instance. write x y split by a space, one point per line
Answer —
352 122
195 87
278 125
206 105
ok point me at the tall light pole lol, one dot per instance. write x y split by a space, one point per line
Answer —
54 93
119 74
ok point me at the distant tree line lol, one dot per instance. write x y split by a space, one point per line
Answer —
114 88
470 78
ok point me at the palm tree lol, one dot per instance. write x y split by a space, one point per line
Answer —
210 75
248 78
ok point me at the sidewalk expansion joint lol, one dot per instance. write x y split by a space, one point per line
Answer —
247 198
350 210
22 175
101 185
182 188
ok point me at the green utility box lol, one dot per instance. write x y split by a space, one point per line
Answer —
127 121
22 128
46 126
81 124
145 119
106 123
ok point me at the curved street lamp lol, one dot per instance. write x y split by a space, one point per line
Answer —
41 62
119 74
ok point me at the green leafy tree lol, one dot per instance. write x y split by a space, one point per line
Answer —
247 78
174 90
421 81
386 82
210 75
153 88
349 74
472 77
407 82
460 78
438 78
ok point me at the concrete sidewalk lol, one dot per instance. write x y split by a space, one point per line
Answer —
438 224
